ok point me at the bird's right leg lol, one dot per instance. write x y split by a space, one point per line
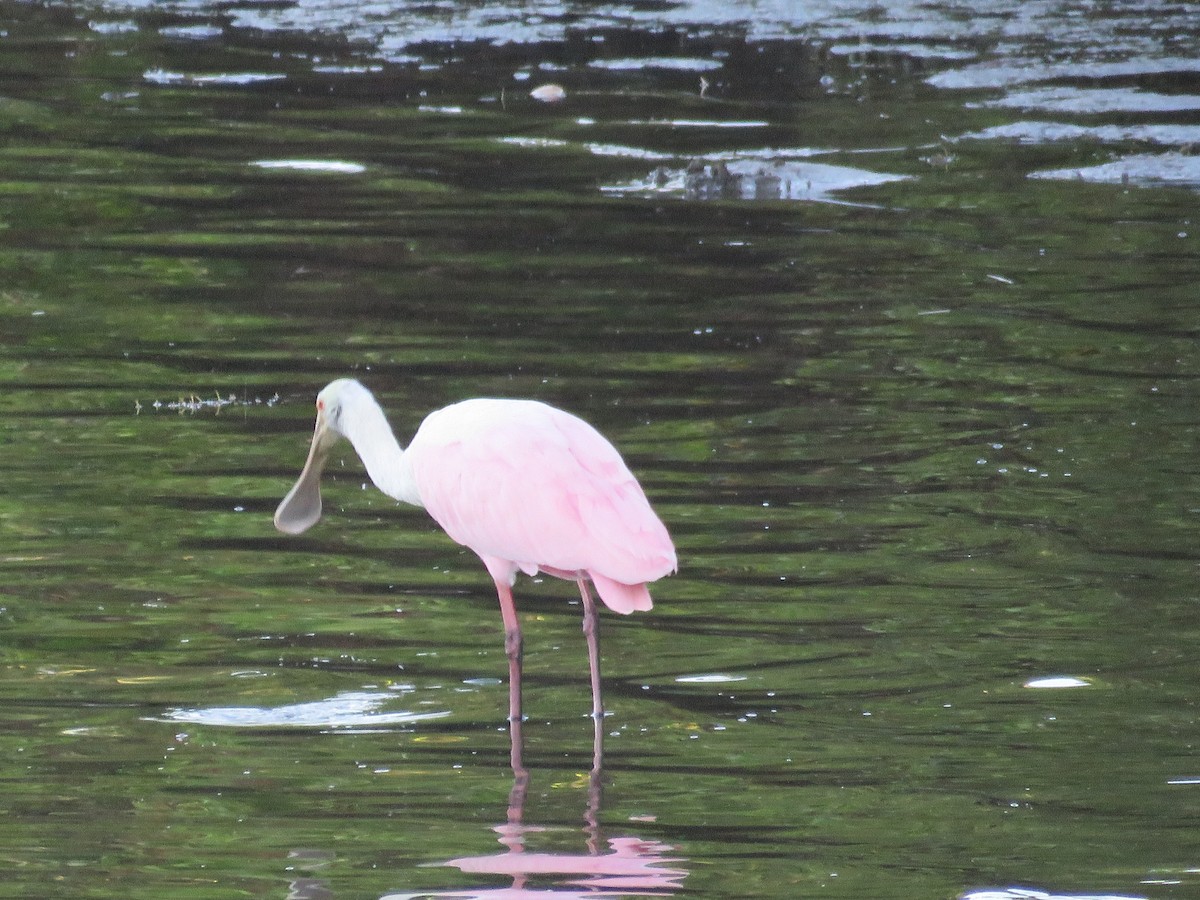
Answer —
512 649
591 630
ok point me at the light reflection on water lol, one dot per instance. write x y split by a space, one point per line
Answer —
1097 100
1136 168
350 709
772 179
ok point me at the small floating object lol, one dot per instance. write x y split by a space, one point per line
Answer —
1058 681
549 93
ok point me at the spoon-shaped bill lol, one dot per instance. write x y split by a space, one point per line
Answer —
301 508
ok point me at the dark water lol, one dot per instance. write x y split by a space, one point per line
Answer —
895 314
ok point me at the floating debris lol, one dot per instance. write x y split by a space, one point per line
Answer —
195 403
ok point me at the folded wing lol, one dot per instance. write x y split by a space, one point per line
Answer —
521 481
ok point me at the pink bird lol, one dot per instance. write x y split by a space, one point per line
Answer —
527 487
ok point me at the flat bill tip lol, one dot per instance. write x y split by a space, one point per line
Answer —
301 508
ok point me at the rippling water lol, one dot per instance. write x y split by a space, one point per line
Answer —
893 313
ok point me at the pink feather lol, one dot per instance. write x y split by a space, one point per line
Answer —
534 487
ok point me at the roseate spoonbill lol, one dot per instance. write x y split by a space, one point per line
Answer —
526 486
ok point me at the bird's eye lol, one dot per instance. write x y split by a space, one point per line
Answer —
320 404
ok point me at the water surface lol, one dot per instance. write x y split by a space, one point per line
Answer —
894 315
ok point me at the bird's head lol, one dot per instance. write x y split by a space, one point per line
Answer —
301 508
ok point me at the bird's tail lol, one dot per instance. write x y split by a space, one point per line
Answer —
622 598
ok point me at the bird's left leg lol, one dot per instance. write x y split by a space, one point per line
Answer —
512 649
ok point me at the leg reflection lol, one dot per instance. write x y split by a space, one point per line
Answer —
607 866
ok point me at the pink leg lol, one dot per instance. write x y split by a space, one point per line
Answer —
591 627
512 649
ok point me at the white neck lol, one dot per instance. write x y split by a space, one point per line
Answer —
366 427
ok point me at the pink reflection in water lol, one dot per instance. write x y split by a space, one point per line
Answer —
625 866
630 866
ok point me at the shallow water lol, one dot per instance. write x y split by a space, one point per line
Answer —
919 412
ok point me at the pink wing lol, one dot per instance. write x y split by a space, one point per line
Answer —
529 484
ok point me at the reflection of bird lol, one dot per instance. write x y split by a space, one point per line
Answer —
526 486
